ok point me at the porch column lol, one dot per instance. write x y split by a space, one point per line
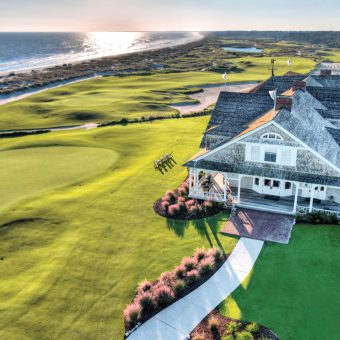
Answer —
225 188
239 189
190 181
311 199
296 197
196 181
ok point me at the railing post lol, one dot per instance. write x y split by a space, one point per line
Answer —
311 199
239 189
296 196
225 187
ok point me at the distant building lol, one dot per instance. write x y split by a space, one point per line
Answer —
283 158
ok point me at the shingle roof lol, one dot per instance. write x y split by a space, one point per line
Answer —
328 96
332 81
280 83
234 111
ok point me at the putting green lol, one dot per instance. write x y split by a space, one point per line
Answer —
30 171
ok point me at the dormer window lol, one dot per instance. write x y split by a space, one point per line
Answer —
271 136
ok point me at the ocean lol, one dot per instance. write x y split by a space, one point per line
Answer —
25 51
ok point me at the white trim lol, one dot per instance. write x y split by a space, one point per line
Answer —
307 147
233 141
237 139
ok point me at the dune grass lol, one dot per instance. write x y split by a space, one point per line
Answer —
104 99
113 98
294 289
74 254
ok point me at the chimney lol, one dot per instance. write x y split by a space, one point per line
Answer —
299 85
325 73
283 102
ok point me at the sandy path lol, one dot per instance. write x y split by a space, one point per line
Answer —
209 96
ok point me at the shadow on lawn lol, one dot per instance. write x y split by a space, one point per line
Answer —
202 226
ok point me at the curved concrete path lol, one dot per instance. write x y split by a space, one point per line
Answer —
178 320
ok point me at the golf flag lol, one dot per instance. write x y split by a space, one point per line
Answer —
289 61
224 75
273 94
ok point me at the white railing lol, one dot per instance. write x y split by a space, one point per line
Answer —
205 195
305 210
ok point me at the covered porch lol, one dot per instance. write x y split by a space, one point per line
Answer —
266 194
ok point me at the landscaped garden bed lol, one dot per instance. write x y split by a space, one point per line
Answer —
151 297
177 204
215 326
316 218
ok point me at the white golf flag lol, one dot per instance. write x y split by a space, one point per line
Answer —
224 75
273 94
289 62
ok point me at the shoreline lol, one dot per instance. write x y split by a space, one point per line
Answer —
125 63
4 73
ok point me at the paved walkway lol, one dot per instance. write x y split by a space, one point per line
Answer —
260 225
178 320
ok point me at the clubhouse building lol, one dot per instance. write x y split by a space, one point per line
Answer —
275 148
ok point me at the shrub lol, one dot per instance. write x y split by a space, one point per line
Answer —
244 335
146 300
180 271
189 263
189 204
165 205
232 327
194 209
169 196
167 278
163 294
228 337
206 265
192 276
216 253
182 191
144 286
253 327
200 254
207 205
213 323
132 313
178 287
174 209
180 199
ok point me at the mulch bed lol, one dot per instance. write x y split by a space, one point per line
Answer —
203 330
186 291
184 215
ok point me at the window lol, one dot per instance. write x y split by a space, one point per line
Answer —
322 188
257 181
267 182
276 184
271 136
288 185
270 157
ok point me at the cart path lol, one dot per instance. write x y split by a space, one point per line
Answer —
179 319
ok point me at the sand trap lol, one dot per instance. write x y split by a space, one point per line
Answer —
209 97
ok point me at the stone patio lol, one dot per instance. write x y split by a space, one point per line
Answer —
260 225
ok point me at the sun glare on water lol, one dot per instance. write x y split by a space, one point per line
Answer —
113 42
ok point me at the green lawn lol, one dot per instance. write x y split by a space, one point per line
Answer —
294 289
113 98
28 172
75 253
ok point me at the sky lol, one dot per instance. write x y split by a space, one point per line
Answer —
168 15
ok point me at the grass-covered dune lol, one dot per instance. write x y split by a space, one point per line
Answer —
294 288
75 249
114 98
